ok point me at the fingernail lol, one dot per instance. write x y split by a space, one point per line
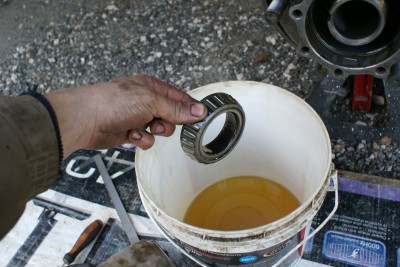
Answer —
160 128
136 135
197 110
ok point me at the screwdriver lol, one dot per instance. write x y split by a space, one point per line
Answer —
87 236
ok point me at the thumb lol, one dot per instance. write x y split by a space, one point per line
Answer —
178 112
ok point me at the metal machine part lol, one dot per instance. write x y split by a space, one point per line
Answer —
192 134
324 94
139 254
345 38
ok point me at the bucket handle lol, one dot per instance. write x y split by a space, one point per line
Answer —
333 186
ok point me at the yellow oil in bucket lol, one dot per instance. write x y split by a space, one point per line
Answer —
239 203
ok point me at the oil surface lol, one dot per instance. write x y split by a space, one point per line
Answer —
239 203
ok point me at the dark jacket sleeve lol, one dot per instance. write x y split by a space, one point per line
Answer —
29 150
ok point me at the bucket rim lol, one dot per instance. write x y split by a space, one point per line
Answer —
293 214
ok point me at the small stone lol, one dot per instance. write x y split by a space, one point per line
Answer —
239 76
14 78
386 140
111 8
164 43
362 123
51 60
375 146
197 75
261 58
338 147
56 42
20 49
360 146
143 39
271 40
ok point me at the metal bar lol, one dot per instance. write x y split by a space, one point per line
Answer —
31 244
87 162
112 191
67 211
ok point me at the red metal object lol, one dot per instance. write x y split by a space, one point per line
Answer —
362 92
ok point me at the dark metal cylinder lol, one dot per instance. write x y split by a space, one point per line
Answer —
275 10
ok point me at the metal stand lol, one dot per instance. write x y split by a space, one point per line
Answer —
325 92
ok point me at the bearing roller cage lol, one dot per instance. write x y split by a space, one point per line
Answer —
307 25
192 134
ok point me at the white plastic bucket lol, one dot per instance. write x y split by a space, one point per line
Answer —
284 140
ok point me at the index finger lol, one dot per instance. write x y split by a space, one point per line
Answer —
168 90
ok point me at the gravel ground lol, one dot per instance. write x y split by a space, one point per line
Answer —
186 43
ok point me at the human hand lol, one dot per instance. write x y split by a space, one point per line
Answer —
109 114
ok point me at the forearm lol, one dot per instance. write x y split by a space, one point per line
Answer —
29 155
